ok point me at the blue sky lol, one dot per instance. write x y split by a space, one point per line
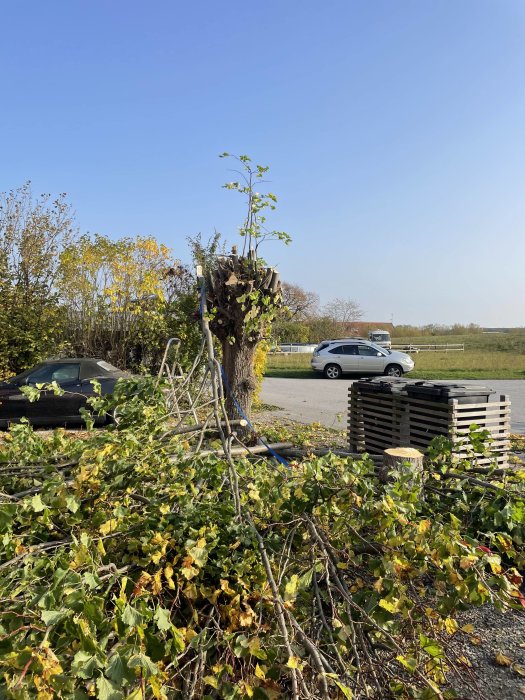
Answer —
394 131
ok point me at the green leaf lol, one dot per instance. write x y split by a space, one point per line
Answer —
408 662
51 617
84 664
72 504
162 618
290 590
131 616
145 663
116 669
36 504
431 647
106 690
90 580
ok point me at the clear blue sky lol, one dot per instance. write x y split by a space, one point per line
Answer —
395 133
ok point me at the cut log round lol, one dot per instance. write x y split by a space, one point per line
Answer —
402 459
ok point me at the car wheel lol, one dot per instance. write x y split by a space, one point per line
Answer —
332 371
394 371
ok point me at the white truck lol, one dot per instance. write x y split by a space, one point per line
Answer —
381 338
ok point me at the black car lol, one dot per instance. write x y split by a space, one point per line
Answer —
72 375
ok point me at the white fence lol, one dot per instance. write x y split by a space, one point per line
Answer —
448 347
413 347
296 347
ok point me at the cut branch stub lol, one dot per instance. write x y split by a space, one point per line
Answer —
405 460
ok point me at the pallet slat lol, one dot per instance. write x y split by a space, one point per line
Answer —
377 421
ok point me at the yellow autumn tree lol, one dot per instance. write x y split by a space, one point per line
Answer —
113 295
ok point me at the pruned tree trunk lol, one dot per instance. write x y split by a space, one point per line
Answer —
237 361
242 297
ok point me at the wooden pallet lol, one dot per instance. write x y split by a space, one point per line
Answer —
377 421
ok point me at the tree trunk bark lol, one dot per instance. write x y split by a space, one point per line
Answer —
240 383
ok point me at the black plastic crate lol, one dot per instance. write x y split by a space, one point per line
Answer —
445 392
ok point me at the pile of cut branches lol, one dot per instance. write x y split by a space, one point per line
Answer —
127 569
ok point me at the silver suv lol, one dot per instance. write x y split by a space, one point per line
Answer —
335 357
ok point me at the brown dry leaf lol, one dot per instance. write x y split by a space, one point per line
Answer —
463 660
503 660
475 640
519 669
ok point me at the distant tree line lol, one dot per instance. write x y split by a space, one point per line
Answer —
303 320
68 294
430 329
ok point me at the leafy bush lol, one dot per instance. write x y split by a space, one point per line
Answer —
128 569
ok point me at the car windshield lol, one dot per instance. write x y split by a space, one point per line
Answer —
378 337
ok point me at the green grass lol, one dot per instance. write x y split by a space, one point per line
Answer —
486 356
488 342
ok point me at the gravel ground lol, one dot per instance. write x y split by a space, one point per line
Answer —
496 637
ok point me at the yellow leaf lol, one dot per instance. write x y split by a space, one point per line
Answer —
108 526
463 660
293 662
391 605
503 660
168 575
260 671
467 562
156 586
496 568
225 586
213 597
246 618
290 590
468 629
246 689
451 625
156 687
211 680
519 669
423 526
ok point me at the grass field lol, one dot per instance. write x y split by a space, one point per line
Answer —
486 356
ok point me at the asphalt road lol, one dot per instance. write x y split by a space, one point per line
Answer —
325 401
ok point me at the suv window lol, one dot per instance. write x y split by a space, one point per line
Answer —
367 351
344 350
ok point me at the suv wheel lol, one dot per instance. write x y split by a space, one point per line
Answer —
394 371
332 371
